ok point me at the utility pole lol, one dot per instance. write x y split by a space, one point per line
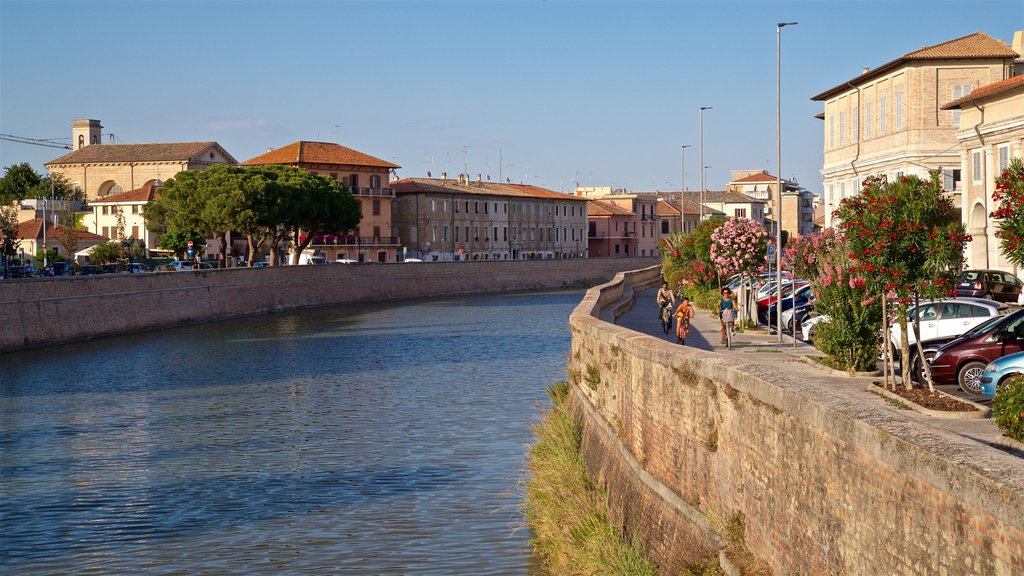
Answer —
702 181
682 189
778 176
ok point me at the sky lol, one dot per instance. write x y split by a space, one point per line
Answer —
555 94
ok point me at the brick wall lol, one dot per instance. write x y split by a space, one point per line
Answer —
827 484
47 311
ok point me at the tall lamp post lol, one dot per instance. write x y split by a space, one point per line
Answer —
682 188
778 176
702 109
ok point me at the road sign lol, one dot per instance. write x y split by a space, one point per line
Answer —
190 245
191 252
771 250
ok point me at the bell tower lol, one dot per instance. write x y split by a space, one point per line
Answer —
85 132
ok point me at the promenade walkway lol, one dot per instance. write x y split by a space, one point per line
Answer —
763 348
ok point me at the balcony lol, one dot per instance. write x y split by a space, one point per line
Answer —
355 241
360 191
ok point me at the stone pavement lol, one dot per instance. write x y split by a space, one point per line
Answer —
763 348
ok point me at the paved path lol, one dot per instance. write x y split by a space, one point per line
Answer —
763 348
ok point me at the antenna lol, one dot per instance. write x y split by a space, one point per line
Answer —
465 160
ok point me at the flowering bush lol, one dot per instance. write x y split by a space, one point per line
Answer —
1009 196
1008 407
739 246
803 252
686 258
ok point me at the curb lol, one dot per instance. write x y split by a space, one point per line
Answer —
979 410
813 361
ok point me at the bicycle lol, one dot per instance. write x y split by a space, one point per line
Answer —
666 317
729 317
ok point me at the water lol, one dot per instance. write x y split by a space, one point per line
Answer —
370 439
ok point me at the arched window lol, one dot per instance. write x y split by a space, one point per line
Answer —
81 140
110 187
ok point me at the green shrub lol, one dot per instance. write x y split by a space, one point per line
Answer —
1008 407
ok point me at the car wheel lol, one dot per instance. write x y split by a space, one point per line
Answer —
919 374
969 377
988 296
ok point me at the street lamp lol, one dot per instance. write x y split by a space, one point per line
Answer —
682 188
778 176
702 109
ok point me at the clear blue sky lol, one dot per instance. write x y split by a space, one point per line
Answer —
605 90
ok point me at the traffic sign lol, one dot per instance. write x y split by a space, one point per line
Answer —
771 250
190 245
191 252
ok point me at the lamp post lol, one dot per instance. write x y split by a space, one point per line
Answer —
702 109
682 188
778 176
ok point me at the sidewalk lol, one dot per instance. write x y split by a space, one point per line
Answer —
763 348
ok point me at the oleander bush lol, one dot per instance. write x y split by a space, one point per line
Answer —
1008 407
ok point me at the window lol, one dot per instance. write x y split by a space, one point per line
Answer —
740 212
135 209
867 120
881 116
106 231
376 206
976 166
376 231
445 205
433 234
1004 158
664 226
616 225
433 205
467 206
354 179
899 111
831 132
495 233
856 125
456 205
456 233
842 190
375 181
106 211
476 207
959 91
445 233
616 248
467 233
842 128
504 233
831 193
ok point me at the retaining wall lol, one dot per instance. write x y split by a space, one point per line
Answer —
46 311
683 439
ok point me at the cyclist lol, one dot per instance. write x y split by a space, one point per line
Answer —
726 302
666 299
683 315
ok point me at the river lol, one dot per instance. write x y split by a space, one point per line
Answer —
356 439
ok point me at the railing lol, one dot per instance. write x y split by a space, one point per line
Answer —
360 191
357 241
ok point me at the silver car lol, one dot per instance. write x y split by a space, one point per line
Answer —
946 318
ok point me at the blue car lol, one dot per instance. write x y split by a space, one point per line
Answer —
997 371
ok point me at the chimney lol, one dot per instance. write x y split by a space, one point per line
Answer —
480 179
444 176
866 70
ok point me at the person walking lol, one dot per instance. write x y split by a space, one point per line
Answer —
682 315
726 302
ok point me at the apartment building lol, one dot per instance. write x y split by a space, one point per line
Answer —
991 134
127 207
677 215
734 205
887 121
797 212
643 228
100 170
441 219
366 177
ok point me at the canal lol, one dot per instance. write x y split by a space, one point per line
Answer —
357 439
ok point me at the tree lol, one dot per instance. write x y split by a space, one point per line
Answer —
67 229
803 253
325 206
907 241
9 239
19 182
107 253
178 242
739 246
1009 198
689 255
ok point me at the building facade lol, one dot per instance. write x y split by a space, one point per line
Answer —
367 178
37 234
797 212
643 228
129 206
991 134
100 170
439 219
734 205
677 215
888 122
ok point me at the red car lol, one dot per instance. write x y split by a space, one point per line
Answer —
963 360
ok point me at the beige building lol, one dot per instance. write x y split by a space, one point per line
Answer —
643 206
887 121
733 205
34 237
104 218
797 202
991 134
367 178
101 170
675 215
441 219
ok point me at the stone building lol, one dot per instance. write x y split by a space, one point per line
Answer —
991 134
887 121
101 170
367 179
104 217
441 219
797 202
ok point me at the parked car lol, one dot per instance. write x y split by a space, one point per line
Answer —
181 265
89 270
990 284
793 319
945 318
811 322
998 371
963 360
801 296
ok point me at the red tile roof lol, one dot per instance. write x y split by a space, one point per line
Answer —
602 208
1001 87
449 186
305 152
973 46
147 193
156 152
33 230
670 207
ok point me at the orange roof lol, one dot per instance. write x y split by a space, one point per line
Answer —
155 152
147 193
602 208
670 207
305 152
449 186
972 46
1003 86
33 230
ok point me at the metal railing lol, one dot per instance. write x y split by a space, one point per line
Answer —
361 191
358 241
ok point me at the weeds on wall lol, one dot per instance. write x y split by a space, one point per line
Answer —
570 527
593 376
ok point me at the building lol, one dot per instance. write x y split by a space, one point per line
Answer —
442 219
733 204
130 205
609 230
887 121
991 134
675 215
797 202
34 239
101 170
643 228
366 177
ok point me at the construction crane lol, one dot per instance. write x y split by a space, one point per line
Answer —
34 141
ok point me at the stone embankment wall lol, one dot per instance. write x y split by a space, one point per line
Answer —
684 440
46 311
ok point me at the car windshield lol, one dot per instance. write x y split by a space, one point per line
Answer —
988 324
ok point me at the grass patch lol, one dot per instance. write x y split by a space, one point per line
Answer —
570 528
593 376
